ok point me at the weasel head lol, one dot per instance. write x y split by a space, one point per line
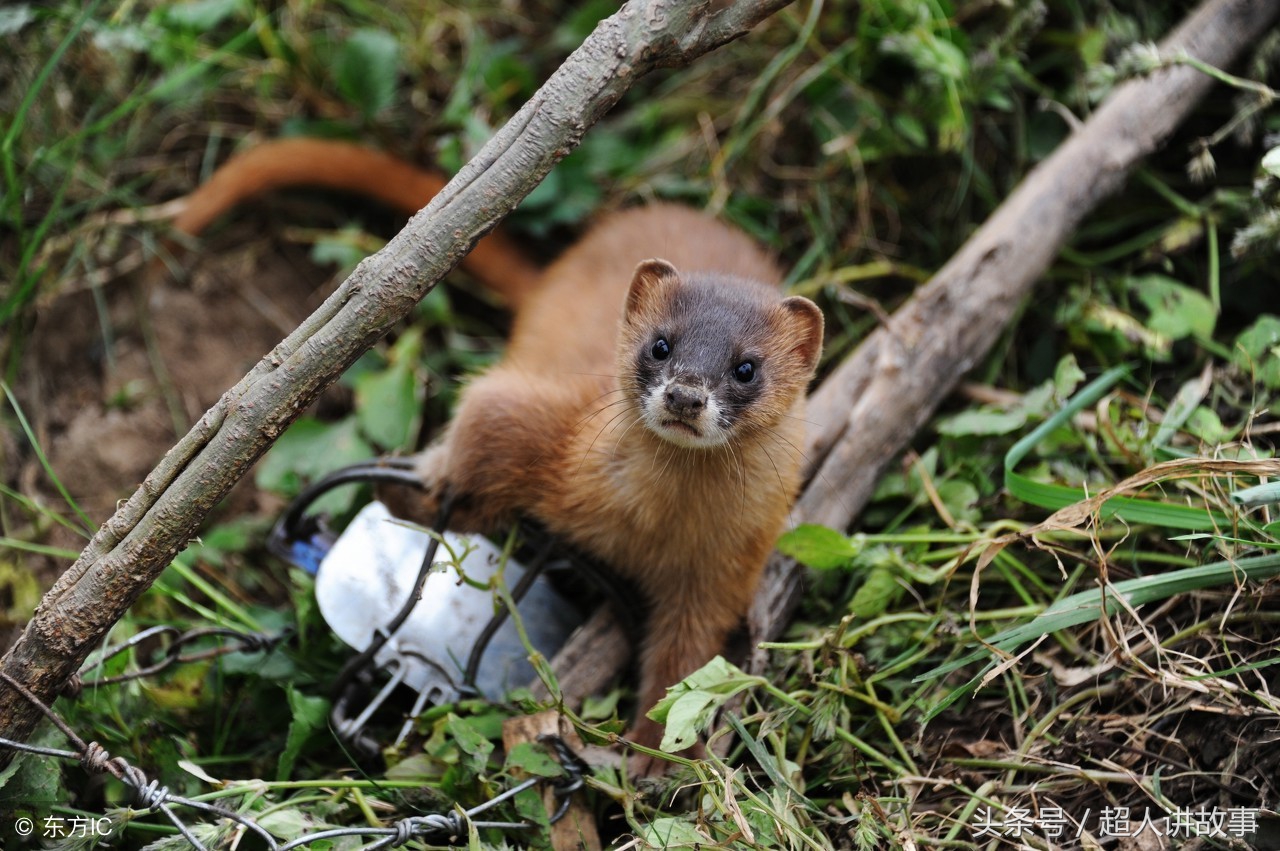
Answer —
707 357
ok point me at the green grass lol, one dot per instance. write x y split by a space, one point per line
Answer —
957 657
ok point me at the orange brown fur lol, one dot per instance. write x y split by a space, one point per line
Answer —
557 431
551 432
348 168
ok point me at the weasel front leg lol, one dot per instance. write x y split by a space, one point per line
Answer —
421 504
495 458
684 633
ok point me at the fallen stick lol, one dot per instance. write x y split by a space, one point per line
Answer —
869 408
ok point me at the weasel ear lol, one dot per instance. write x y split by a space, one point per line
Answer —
804 326
648 280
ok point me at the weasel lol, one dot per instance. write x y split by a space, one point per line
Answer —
648 411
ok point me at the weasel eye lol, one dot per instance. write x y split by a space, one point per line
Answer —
661 349
744 371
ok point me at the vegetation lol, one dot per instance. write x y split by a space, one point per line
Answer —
968 668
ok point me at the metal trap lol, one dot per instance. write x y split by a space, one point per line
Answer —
417 605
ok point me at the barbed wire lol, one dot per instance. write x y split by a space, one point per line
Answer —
175 647
151 796
237 641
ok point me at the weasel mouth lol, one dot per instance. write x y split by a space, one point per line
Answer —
680 427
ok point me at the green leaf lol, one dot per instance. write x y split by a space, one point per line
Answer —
420 766
982 421
1039 400
1176 310
387 405
34 784
307 451
1264 494
1125 330
533 759
201 15
1205 424
286 823
1257 351
1067 376
344 250
598 707
878 592
389 401
368 69
530 810
7 773
20 591
988 420
308 715
912 130
674 833
690 705
960 498
687 716
470 741
578 22
817 546
436 308
233 536
1184 403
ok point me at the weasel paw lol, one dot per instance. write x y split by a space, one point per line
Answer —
419 504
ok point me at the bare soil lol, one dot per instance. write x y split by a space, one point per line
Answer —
109 379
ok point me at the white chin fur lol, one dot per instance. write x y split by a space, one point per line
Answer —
704 433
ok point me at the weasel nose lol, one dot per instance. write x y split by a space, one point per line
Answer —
685 401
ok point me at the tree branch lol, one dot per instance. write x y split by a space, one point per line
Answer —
139 541
871 406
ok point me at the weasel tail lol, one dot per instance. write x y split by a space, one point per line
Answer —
347 167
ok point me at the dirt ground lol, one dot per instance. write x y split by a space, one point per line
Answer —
110 379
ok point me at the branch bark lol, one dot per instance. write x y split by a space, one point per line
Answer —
139 541
871 406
